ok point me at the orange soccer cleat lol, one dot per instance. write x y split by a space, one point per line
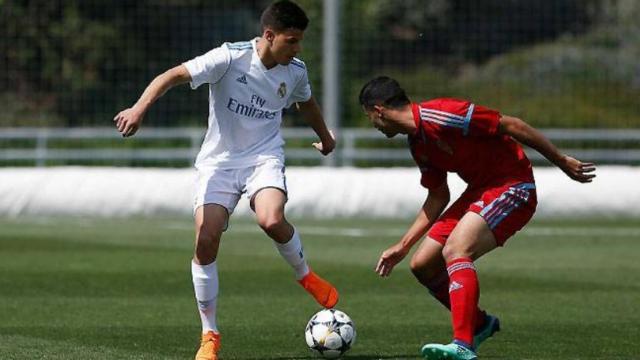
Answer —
321 290
209 346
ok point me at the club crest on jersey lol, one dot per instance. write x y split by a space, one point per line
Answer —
242 79
282 90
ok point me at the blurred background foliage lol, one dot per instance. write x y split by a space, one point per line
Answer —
561 63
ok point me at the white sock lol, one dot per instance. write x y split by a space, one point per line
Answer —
205 284
293 253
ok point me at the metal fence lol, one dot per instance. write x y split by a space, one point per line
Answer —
179 146
562 64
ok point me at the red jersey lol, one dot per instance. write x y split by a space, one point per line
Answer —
457 136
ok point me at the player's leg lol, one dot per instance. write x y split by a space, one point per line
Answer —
470 239
428 264
216 198
481 230
268 204
429 267
210 221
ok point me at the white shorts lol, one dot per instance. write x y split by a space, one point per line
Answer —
225 186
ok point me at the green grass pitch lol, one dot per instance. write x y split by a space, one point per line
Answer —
121 289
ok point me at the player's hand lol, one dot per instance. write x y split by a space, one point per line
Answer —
390 258
128 121
578 170
327 145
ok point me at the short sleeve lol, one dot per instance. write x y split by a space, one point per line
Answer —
210 67
460 115
302 90
484 121
432 178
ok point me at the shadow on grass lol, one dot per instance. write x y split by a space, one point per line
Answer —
166 341
346 357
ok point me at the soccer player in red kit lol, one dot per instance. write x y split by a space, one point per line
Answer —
481 146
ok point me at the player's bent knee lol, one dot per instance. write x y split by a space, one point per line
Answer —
417 266
271 224
451 252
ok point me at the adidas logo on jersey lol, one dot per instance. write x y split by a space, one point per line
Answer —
454 286
242 79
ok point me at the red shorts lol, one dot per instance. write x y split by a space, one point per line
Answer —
506 209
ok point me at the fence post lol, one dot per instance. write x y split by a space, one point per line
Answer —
331 71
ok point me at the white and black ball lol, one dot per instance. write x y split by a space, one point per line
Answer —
330 333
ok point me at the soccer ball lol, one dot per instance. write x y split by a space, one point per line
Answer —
330 333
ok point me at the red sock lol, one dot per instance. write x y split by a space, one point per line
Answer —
464 292
439 289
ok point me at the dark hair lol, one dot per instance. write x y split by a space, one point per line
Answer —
383 90
282 15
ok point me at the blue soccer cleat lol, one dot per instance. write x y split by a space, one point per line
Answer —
490 327
453 351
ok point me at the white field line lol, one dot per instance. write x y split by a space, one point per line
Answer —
531 231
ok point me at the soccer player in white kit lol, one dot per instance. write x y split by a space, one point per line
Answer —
250 83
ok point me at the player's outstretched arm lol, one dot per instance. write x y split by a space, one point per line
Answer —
312 115
128 121
436 201
521 131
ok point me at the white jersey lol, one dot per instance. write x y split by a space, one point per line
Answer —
245 104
